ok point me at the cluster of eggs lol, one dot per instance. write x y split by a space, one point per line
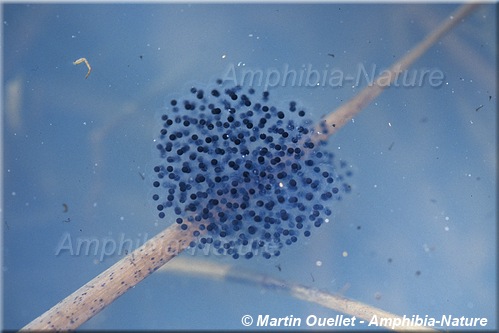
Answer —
244 175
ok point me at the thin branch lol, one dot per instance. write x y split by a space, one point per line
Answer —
101 291
335 302
339 117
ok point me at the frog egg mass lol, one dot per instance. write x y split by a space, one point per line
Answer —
244 175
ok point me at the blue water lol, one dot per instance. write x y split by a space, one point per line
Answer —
416 235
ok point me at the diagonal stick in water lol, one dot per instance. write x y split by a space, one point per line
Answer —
336 119
335 302
101 291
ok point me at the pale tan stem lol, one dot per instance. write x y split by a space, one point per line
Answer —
335 302
102 290
355 308
87 301
340 116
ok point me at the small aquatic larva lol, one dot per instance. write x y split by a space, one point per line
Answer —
79 61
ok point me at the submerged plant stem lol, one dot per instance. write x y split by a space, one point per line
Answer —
335 302
340 116
102 290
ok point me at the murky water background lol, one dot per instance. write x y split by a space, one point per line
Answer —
415 236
